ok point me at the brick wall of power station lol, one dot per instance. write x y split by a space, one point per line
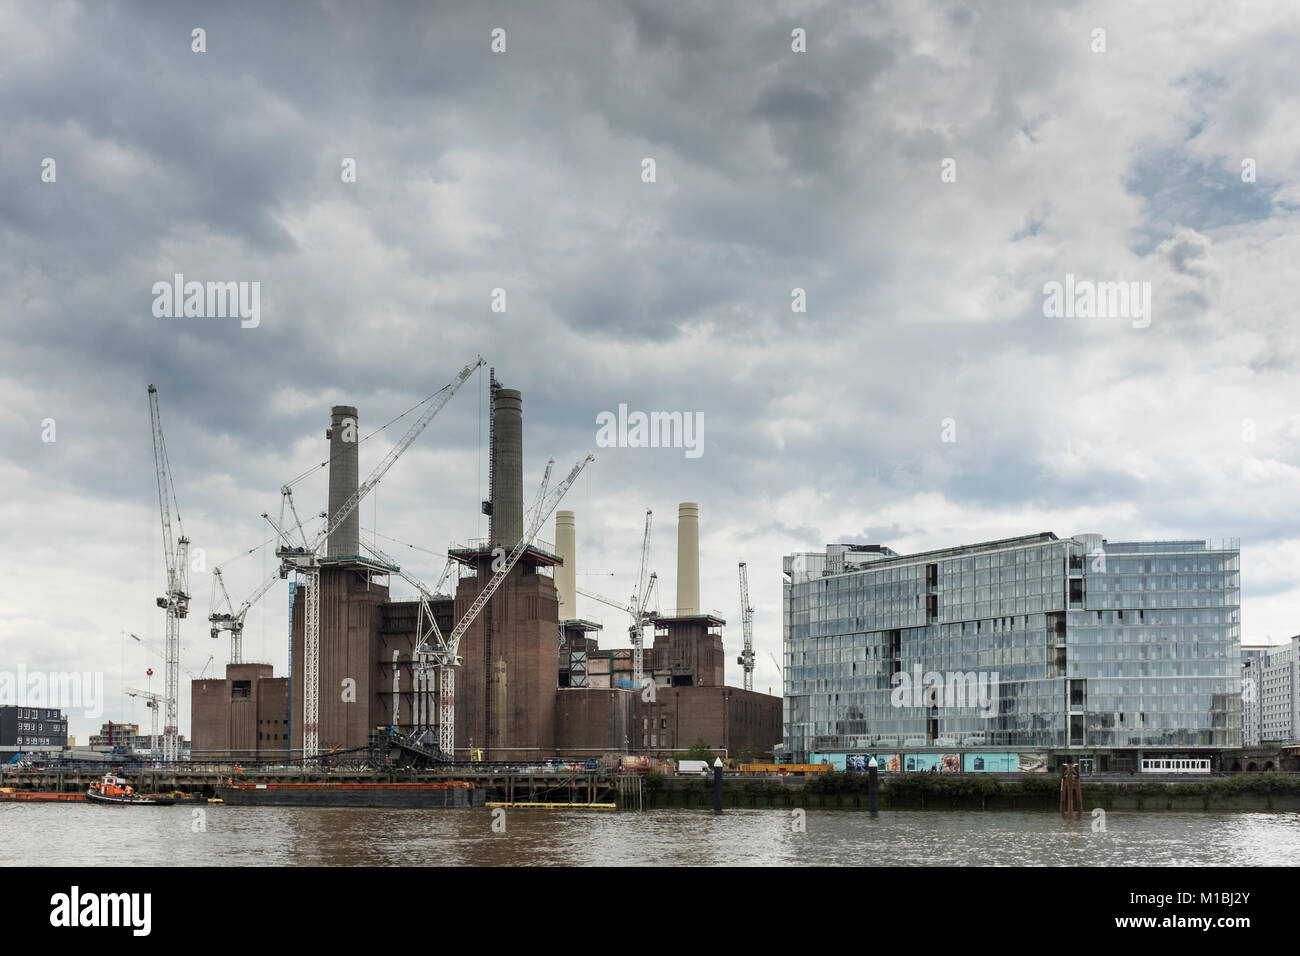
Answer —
505 690
726 718
240 716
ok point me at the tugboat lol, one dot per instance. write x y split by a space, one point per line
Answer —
112 788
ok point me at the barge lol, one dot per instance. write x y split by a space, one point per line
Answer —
451 795
9 793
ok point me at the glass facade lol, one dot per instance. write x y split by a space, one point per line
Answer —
1079 642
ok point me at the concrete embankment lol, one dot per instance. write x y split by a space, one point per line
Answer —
1235 794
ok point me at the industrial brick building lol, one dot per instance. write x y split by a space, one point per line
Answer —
523 690
243 715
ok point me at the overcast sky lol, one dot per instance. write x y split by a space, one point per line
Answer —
522 170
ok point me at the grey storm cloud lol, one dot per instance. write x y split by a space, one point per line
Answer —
776 170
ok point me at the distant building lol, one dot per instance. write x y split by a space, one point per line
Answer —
1251 663
1278 693
117 735
30 728
1102 651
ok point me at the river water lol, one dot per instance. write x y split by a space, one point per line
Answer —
89 835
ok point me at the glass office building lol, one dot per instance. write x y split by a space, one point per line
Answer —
1081 644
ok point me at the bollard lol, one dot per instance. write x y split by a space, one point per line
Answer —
1071 789
873 787
717 786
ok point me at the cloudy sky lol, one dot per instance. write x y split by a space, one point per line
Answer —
523 170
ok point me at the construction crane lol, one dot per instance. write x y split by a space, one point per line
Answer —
230 619
640 595
176 601
746 658
305 559
153 647
427 634
151 701
637 607
541 492
444 656
639 614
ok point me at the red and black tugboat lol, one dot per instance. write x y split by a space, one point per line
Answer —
112 788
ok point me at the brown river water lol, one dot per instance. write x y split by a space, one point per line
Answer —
88 835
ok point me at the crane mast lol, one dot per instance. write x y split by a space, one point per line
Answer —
429 642
305 559
176 601
746 658
640 594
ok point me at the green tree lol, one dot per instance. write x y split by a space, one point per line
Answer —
699 751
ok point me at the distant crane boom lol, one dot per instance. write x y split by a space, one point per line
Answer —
439 402
151 701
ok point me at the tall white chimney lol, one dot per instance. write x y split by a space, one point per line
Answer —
688 558
566 574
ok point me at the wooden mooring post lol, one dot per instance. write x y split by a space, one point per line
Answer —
1071 789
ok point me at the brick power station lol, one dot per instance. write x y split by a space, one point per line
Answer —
534 683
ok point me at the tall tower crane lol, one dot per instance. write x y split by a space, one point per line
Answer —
640 595
444 656
746 658
176 601
305 559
